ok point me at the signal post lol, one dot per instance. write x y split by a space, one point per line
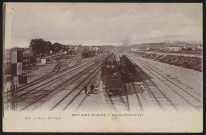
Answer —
16 71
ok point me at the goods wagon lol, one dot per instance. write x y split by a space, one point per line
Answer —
127 70
87 54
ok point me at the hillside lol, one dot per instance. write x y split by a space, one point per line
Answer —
164 44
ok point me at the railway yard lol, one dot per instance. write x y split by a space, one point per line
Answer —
156 85
105 67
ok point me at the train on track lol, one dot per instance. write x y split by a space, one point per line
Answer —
115 74
111 76
88 53
127 69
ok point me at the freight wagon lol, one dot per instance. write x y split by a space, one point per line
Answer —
87 54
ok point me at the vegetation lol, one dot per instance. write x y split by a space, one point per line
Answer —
40 46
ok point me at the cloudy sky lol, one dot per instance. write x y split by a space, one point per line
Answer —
102 23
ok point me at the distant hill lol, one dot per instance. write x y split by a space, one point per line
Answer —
164 44
150 45
105 46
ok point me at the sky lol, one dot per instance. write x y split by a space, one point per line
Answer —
102 23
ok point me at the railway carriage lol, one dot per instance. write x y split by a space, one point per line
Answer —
127 70
86 54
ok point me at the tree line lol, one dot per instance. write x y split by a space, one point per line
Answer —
40 46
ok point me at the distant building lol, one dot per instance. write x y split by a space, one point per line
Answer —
134 49
26 54
173 48
194 48
43 61
86 48
28 51
90 48
147 49
191 48
199 47
7 56
78 48
95 49
61 50
65 52
26 57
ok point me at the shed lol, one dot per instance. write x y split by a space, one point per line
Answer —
43 61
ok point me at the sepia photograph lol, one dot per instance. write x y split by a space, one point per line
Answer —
102 67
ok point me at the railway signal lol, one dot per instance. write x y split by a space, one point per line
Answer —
16 71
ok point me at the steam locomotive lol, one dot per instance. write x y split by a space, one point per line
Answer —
115 74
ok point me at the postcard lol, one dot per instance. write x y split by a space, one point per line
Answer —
103 67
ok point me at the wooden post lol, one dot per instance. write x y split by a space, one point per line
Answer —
12 95
7 98
15 97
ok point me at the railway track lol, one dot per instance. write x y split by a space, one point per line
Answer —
183 94
56 80
170 81
187 97
59 63
61 86
138 98
111 101
50 82
47 77
125 103
118 103
79 81
82 88
161 104
63 66
76 89
127 100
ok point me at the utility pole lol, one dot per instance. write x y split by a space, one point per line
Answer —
13 94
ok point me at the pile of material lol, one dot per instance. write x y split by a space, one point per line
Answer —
181 61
